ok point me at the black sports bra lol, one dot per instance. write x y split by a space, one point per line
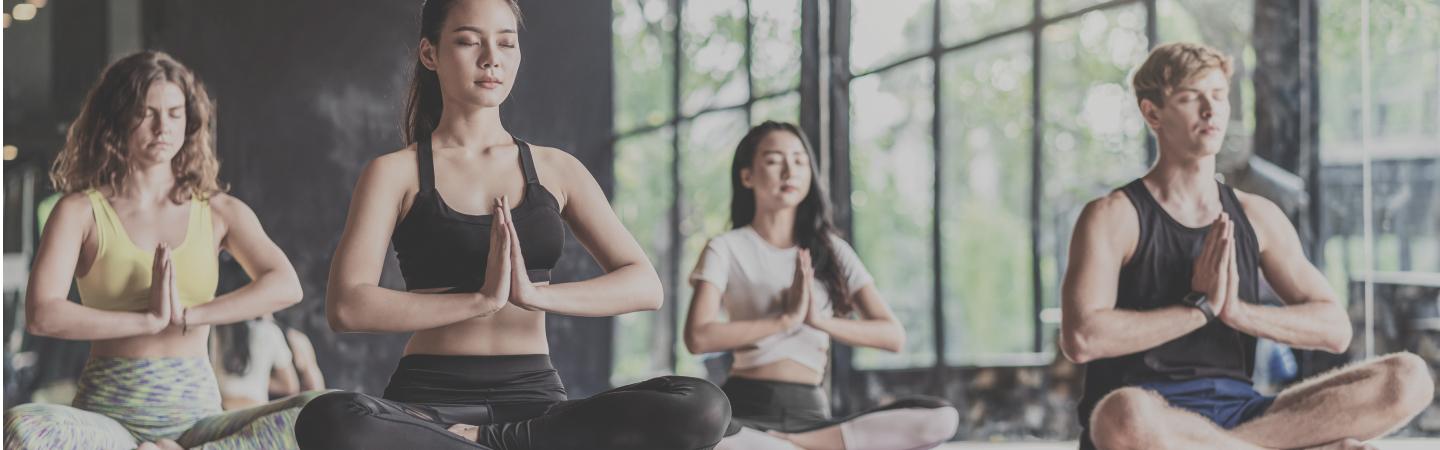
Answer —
441 247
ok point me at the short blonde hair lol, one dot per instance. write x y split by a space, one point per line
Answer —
1170 65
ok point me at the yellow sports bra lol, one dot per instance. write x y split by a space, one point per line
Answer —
119 280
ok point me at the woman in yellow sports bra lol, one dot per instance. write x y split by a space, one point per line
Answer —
140 228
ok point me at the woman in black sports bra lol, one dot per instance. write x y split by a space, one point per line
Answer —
477 220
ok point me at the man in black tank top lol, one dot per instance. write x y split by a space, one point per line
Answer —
1161 299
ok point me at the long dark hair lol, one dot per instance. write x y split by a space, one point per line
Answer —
234 339
423 105
814 228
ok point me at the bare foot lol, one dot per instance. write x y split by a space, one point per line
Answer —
469 432
166 444
1345 444
147 446
786 437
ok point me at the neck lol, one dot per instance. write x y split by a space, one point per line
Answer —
149 183
777 226
470 128
1185 178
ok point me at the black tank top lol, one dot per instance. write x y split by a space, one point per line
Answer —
1157 276
441 247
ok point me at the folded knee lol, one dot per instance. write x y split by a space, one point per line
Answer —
324 417
27 425
1408 386
704 402
941 424
697 414
1119 420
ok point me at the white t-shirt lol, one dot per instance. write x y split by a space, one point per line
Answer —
268 350
753 275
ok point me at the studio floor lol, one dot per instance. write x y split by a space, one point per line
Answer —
1387 444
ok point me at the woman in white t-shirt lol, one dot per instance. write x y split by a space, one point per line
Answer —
788 284
257 360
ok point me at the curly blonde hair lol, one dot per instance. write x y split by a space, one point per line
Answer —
95 156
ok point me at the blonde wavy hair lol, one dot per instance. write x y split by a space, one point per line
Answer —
95 155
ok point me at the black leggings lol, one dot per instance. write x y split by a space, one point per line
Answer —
796 408
519 403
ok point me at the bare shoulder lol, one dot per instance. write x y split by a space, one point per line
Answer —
562 172
1112 211
1109 223
1260 208
396 165
1269 221
299 342
72 209
557 161
228 208
391 176
74 203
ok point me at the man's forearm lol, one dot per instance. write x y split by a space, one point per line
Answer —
1309 326
1116 332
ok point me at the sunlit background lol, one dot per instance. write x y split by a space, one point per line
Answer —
964 136
959 138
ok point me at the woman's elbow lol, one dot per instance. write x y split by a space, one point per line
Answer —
652 297
38 326
340 318
696 344
693 346
897 340
338 322
291 293
651 302
40 322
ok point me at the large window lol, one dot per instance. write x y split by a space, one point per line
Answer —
678 117
978 129
1379 113
945 133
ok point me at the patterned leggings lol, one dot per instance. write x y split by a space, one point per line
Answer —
122 402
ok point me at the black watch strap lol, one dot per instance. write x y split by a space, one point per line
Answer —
1201 302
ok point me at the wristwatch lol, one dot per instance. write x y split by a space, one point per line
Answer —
1198 300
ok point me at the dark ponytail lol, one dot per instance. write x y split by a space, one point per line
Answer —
424 103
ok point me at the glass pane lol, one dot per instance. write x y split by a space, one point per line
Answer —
891 159
986 205
1225 25
775 54
707 146
1404 145
713 38
970 19
643 197
882 32
1054 8
785 108
1340 145
643 61
1094 136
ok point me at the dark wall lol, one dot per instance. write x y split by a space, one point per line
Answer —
308 92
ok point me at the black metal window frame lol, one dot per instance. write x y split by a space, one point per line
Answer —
674 266
840 170
825 78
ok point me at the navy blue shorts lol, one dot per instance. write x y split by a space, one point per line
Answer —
1225 401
